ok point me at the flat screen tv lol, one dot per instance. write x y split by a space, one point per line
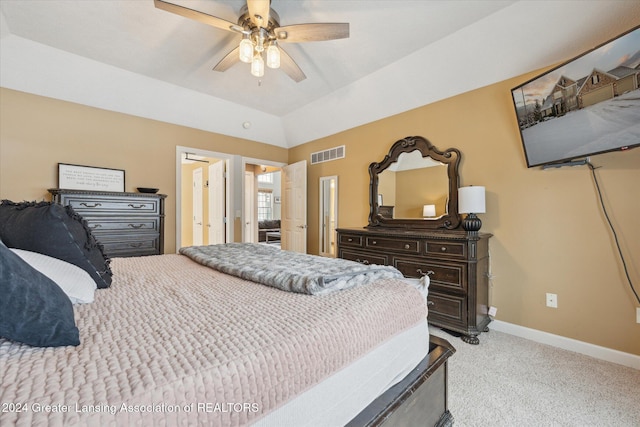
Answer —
588 105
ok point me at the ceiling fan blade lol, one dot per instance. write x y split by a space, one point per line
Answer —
299 33
198 16
289 66
228 61
259 12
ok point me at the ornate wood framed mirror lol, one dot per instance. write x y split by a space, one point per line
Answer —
415 187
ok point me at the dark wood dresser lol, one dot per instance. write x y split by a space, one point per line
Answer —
127 224
456 262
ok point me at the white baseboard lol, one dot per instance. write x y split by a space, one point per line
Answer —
603 353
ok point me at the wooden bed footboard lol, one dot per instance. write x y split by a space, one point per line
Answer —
419 399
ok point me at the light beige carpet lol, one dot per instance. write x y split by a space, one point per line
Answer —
511 381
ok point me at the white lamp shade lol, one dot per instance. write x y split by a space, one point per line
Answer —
429 210
257 65
471 199
273 56
246 50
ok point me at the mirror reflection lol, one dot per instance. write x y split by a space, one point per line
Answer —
413 187
328 215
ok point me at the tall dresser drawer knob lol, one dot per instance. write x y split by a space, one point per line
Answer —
349 239
374 243
407 246
431 303
87 205
443 249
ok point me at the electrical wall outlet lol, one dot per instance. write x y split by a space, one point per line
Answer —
552 300
493 311
637 314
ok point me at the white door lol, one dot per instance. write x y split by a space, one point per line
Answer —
217 206
197 207
294 207
250 196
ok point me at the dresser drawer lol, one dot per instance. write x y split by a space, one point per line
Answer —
447 310
100 205
446 249
108 225
363 257
449 275
130 245
350 240
403 245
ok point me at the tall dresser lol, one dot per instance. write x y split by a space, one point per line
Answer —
456 262
126 224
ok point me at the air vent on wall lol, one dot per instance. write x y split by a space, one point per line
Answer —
327 155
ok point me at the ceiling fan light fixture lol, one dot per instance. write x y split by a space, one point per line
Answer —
257 66
246 50
273 56
261 30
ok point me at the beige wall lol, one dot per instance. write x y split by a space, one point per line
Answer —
37 132
549 232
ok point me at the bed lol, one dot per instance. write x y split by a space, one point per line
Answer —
171 340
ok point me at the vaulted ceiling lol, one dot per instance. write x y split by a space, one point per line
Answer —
128 56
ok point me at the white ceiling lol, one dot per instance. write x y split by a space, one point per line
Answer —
128 56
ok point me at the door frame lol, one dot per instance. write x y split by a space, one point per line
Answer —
229 186
322 208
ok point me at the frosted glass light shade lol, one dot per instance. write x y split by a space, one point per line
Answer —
429 211
246 50
273 56
257 66
471 199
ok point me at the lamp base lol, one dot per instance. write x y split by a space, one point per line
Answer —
472 223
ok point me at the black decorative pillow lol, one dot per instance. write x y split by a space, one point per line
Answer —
33 309
57 231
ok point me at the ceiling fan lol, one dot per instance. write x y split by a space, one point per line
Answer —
261 31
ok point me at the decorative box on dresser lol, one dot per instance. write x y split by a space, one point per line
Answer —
456 262
126 224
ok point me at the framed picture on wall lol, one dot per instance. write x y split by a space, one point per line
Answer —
78 177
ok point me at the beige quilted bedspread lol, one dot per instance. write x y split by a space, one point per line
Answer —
176 343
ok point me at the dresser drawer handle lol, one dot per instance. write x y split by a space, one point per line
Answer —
407 246
443 249
131 205
136 226
135 245
364 261
428 273
94 226
86 205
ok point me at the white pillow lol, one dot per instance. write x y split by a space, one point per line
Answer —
74 281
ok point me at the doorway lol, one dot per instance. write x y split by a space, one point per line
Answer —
328 215
262 201
203 205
